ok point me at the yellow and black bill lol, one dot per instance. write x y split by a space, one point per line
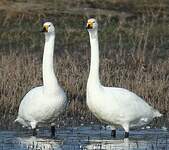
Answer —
89 25
45 28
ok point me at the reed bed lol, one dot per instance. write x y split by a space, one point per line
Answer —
22 72
133 55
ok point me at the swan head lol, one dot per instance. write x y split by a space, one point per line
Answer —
92 24
48 28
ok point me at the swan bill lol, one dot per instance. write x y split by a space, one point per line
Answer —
89 25
45 28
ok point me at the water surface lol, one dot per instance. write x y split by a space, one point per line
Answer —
85 138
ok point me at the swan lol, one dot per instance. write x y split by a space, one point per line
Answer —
42 104
112 105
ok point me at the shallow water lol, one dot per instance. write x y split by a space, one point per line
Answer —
85 138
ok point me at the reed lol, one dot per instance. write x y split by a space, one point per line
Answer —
133 54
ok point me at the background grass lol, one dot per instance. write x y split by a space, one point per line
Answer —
134 50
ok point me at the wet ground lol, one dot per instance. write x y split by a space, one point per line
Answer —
85 138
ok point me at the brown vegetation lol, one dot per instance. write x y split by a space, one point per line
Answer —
133 55
21 72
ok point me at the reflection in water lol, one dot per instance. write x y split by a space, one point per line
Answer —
152 139
108 144
85 138
123 144
38 143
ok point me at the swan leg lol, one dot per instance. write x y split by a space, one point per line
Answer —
52 130
113 131
126 135
34 132
33 126
126 128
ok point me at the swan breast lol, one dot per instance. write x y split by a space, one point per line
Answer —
40 107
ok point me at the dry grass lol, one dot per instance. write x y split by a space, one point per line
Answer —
20 74
133 55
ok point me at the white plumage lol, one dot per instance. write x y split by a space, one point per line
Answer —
44 103
114 106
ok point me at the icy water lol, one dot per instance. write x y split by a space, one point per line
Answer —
85 138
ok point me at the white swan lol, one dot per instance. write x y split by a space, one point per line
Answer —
44 103
112 105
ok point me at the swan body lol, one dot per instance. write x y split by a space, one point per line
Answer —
38 107
41 105
119 106
112 105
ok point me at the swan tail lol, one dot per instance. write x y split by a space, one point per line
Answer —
17 120
21 121
157 113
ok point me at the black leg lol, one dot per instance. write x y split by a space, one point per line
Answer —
113 133
126 135
52 131
34 132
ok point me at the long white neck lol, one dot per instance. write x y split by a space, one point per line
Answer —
49 79
94 64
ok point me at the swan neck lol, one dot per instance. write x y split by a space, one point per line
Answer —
94 64
49 79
